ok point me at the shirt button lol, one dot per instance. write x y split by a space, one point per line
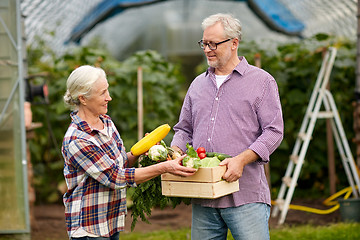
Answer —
209 139
212 119
216 98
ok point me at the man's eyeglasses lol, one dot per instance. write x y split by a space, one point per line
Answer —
211 45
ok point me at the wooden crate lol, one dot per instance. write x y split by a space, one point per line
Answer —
213 174
205 183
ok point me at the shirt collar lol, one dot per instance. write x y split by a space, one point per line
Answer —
83 125
240 68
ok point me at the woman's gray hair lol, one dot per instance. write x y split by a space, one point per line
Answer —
80 83
232 26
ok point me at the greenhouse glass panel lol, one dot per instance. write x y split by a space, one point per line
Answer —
13 175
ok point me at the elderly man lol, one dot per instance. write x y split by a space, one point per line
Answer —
232 108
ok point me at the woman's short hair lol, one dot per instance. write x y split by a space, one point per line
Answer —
232 26
80 83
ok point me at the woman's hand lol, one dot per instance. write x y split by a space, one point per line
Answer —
144 174
175 167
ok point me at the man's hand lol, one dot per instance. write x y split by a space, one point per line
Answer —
176 148
235 165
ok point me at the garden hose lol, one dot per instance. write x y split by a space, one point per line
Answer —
327 202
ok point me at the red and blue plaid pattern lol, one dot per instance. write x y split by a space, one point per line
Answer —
97 176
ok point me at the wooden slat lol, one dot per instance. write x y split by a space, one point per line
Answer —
198 190
213 174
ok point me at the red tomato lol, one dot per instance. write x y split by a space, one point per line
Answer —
202 155
200 150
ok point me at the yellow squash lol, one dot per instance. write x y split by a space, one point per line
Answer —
150 140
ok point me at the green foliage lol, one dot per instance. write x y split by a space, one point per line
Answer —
148 195
300 66
295 66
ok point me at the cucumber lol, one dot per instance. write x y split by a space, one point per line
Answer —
220 156
210 154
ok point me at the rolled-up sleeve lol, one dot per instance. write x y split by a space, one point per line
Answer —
271 122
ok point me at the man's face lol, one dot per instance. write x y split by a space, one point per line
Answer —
221 56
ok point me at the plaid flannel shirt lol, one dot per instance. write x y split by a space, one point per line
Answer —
97 175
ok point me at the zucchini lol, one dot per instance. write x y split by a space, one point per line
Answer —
150 140
220 156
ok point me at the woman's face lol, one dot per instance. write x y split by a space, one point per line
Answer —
97 103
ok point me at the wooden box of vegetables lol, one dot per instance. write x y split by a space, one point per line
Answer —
205 183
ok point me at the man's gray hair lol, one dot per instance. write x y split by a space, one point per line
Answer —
232 26
80 82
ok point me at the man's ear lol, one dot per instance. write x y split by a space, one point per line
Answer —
235 43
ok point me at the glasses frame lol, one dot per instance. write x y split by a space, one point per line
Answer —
203 45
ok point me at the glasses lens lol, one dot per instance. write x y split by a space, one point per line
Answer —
201 44
212 45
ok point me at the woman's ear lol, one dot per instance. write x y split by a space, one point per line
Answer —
82 99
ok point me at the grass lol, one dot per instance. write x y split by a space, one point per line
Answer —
348 231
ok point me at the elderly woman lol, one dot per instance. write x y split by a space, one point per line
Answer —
97 168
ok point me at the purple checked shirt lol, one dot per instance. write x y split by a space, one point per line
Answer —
244 113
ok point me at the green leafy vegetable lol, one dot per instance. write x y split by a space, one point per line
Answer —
190 151
210 162
191 162
148 195
192 159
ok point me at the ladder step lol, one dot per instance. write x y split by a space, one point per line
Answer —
323 114
303 136
294 158
287 181
280 203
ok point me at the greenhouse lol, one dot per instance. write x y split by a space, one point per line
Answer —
156 42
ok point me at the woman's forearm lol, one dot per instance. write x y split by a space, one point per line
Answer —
144 174
132 159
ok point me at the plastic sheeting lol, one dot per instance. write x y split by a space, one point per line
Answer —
173 27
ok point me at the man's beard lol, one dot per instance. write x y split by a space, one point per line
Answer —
213 64
219 62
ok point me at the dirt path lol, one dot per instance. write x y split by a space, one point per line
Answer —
50 221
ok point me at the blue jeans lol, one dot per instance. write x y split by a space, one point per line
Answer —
115 236
246 222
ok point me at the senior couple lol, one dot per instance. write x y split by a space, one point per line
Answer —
232 108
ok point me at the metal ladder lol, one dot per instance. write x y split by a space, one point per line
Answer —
319 96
